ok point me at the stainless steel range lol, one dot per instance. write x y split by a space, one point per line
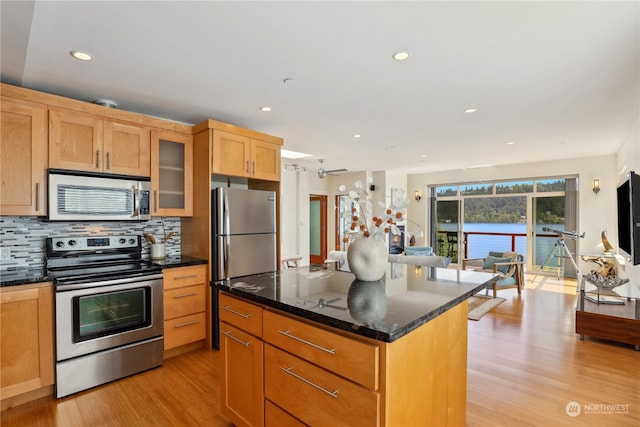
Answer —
109 315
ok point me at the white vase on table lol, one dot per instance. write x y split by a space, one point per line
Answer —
367 257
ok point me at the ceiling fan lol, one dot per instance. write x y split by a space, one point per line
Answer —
322 172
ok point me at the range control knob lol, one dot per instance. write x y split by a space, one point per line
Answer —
59 244
72 242
132 241
122 240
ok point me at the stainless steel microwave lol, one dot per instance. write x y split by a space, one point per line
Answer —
75 196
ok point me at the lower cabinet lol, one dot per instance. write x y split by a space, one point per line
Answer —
283 370
26 343
242 362
184 305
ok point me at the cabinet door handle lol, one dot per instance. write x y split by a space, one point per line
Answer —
182 325
98 158
327 350
244 343
37 196
312 384
190 294
155 200
229 309
188 276
254 167
248 166
109 160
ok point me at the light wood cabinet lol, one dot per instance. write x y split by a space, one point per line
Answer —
346 386
26 349
87 142
23 158
184 305
318 375
128 149
239 155
171 173
242 362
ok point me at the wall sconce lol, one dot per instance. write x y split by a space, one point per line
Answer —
596 186
417 195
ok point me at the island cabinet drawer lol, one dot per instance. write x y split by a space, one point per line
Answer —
316 396
240 314
276 417
350 358
184 276
183 301
184 330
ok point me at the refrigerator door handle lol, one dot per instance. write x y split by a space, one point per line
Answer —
225 256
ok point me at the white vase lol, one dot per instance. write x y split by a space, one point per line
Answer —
367 257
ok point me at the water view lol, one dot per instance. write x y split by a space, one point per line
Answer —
481 245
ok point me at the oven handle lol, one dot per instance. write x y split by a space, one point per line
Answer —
70 286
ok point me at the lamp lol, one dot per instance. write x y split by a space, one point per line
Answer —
417 195
595 186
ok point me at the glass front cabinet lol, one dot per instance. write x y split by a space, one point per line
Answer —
171 177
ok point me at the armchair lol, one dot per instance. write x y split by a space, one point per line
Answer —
508 266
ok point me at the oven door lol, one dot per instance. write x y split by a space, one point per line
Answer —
108 314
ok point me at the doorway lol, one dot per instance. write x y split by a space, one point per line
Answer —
317 229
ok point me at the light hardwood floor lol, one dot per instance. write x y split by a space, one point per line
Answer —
525 365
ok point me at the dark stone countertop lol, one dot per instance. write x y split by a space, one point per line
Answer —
23 276
406 298
26 276
178 261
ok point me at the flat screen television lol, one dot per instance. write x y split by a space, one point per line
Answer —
629 217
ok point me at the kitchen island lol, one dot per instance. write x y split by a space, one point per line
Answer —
314 346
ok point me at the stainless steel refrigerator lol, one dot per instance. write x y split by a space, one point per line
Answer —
244 237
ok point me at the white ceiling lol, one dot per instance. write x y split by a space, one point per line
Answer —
559 79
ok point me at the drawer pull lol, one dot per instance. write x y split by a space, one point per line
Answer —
181 325
229 309
244 343
312 384
188 276
327 350
190 294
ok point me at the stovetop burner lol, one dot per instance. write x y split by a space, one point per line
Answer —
80 259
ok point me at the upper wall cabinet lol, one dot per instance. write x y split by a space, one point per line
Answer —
23 158
171 173
90 143
244 156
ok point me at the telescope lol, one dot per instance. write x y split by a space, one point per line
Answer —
570 234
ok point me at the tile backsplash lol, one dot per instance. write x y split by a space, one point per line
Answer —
23 237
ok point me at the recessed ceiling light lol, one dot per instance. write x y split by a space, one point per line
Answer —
401 56
511 143
357 135
82 56
265 109
288 154
470 110
424 155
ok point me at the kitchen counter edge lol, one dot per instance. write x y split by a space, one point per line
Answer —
342 325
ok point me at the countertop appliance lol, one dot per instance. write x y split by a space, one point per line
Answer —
108 310
75 196
244 237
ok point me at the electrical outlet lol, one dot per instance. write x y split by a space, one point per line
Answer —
5 253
